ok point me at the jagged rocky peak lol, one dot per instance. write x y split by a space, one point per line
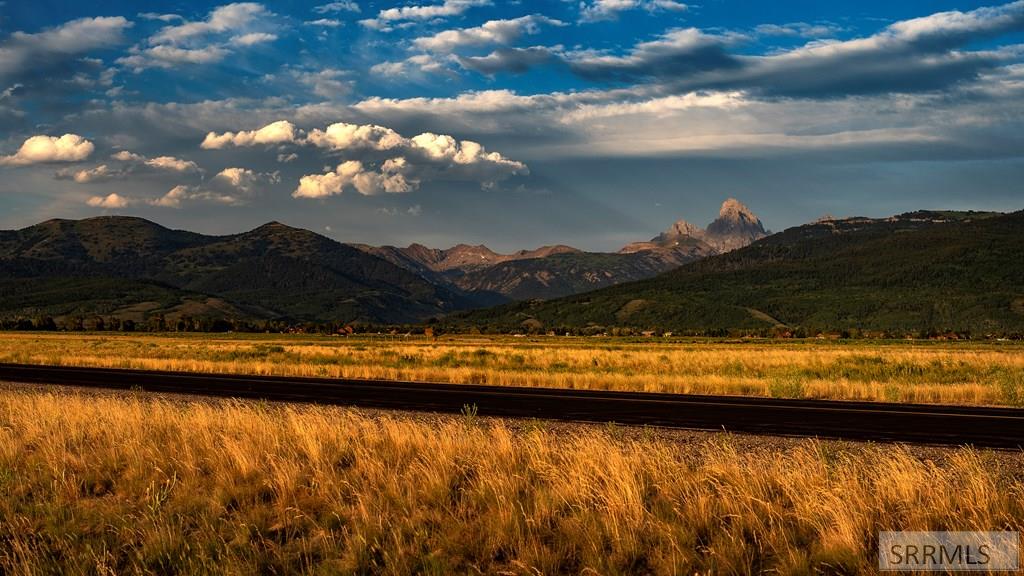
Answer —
736 227
683 228
478 251
423 253
735 215
680 236
467 257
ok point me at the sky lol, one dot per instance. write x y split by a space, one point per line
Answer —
516 124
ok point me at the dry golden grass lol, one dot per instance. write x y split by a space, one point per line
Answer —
105 485
948 373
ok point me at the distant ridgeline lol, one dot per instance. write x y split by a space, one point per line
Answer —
919 274
131 272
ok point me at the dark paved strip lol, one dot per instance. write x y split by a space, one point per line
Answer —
951 425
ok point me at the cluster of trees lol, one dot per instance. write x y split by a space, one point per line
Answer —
156 323
534 327
434 327
160 323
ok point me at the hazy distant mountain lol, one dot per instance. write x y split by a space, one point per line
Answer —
735 227
562 274
547 272
569 271
131 267
909 273
462 258
555 271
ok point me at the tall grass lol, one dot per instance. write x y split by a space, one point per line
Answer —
99 485
954 373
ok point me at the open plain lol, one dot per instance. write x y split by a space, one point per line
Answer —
108 483
966 373
97 483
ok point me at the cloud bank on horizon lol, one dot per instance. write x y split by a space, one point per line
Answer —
513 123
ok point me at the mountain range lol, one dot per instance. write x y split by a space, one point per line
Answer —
919 271
133 269
555 271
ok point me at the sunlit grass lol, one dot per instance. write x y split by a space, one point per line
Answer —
99 485
950 373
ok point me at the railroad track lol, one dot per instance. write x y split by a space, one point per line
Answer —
915 423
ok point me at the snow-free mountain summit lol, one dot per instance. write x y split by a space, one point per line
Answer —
554 271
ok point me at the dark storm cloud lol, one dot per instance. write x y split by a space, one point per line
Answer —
514 60
918 55
821 73
46 72
678 53
32 54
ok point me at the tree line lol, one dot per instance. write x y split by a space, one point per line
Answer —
434 327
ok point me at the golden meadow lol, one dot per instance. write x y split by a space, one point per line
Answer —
131 484
985 373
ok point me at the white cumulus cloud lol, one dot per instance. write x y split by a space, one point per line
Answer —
433 147
387 18
352 173
182 194
223 19
171 56
253 38
444 147
130 163
341 136
410 162
47 149
109 201
85 176
171 163
427 63
490 32
231 187
598 10
280 132
243 179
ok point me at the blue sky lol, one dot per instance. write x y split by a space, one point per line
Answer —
593 123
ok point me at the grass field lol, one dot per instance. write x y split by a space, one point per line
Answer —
98 484
927 372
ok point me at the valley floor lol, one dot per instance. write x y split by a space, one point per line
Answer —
98 483
974 373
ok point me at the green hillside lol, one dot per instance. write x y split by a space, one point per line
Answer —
561 274
923 271
134 269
